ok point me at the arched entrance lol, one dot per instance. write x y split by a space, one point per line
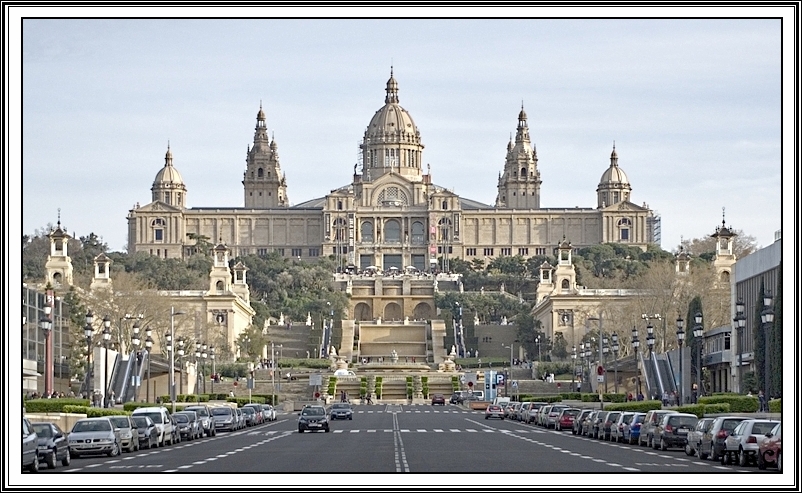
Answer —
423 311
362 311
393 311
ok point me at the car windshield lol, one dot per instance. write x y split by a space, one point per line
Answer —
248 410
638 418
94 425
155 417
201 411
571 412
140 421
181 418
341 406
730 424
120 422
757 429
313 411
42 430
683 421
221 411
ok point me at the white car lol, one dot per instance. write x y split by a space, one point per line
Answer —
270 412
744 441
344 373
161 418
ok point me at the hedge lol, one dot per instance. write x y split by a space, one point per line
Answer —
95 412
636 406
700 410
53 405
615 397
571 396
241 401
269 398
590 397
776 406
130 406
738 403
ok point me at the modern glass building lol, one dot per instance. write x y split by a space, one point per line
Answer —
33 342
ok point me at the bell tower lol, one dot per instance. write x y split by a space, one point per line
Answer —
264 182
519 185
59 264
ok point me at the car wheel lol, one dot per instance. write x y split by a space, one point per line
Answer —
34 467
300 430
713 455
688 450
327 430
485 416
663 445
700 454
51 459
725 458
115 450
66 460
761 463
743 459
350 418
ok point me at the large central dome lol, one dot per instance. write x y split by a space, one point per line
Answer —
392 141
392 123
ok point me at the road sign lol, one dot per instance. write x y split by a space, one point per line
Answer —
315 380
600 378
600 370
515 383
499 379
317 395
250 384
470 384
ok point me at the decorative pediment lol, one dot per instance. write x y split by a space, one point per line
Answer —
624 206
158 206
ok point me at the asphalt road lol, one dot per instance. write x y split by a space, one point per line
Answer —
400 439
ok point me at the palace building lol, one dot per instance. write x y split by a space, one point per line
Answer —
391 213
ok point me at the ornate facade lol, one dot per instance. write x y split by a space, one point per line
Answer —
391 214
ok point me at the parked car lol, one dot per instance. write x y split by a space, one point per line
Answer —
189 426
534 409
521 413
161 418
249 415
743 443
53 446
579 420
632 429
695 435
511 409
587 423
770 449
270 412
438 399
606 428
598 424
30 447
565 419
540 415
258 411
175 433
204 413
550 419
712 442
224 418
653 417
94 436
494 411
240 418
341 410
617 430
313 418
672 430
129 438
146 431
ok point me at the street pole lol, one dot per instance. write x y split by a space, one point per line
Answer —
88 334
135 342
214 370
740 323
573 367
635 346
149 348
46 324
615 357
767 317
272 374
680 339
698 339
106 340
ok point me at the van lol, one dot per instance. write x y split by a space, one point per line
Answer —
344 373
476 395
161 418
501 401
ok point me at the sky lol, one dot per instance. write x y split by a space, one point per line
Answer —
694 107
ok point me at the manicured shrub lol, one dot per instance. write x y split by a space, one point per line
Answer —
269 399
72 408
130 406
590 397
738 403
615 398
52 405
96 412
776 406
241 401
637 406
571 396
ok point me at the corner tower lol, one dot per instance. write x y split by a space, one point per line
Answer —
265 184
391 143
519 185
614 185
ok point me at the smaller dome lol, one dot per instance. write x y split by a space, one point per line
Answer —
261 115
168 175
522 115
614 174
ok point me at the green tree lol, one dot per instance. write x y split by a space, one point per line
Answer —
760 340
560 347
694 307
777 337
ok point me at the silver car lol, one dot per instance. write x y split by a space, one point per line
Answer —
94 436
129 437
744 441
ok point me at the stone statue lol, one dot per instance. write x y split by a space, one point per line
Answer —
393 356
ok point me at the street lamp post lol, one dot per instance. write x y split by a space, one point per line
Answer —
214 371
573 366
635 346
739 322
507 378
605 350
537 341
615 349
680 339
170 337
180 365
88 334
106 341
650 344
204 355
149 348
767 318
135 340
46 324
698 339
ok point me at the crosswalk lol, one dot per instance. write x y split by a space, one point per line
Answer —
419 430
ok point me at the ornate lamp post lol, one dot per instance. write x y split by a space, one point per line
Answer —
740 322
204 355
605 349
680 339
149 348
573 366
135 340
88 334
767 318
198 374
635 346
46 324
214 372
650 344
106 342
169 347
180 365
698 339
615 349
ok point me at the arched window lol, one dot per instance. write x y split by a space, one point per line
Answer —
339 205
523 172
725 277
418 233
565 284
158 225
624 226
219 286
392 231
366 232
260 173
445 204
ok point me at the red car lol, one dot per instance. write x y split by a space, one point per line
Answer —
770 451
565 420
439 399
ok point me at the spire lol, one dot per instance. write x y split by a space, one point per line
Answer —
260 117
58 223
168 157
522 116
614 157
722 218
522 134
392 89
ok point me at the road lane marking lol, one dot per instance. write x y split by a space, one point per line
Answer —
453 430
400 455
354 431
421 431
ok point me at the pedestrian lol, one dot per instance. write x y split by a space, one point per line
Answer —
112 399
762 400
231 393
629 397
665 398
640 396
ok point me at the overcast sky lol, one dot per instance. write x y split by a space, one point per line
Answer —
694 108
